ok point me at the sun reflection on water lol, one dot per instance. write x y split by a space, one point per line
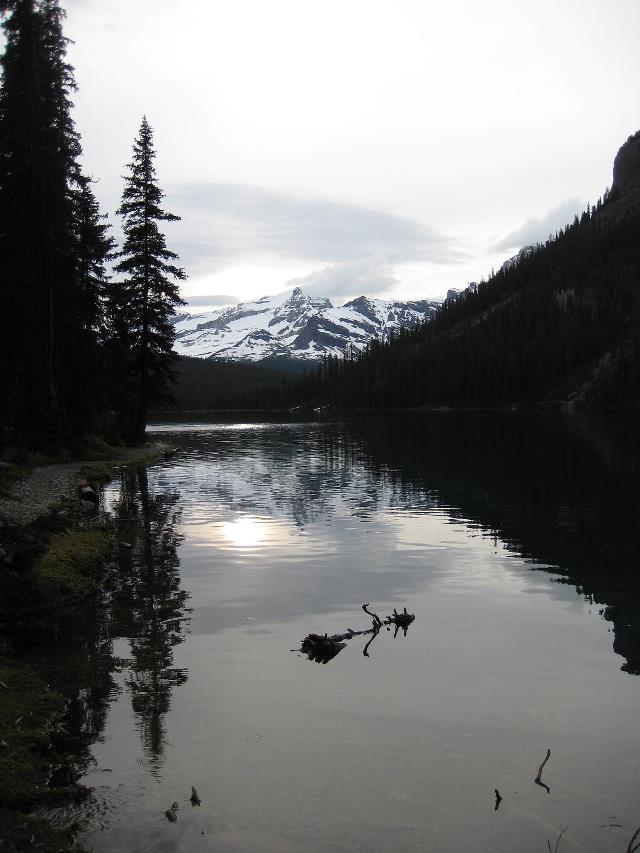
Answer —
244 532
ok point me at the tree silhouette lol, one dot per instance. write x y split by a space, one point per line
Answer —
149 606
142 303
45 333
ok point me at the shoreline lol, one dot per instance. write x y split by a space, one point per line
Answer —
53 559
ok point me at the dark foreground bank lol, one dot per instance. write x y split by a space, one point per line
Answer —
54 558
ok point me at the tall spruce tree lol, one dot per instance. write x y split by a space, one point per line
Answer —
141 304
46 380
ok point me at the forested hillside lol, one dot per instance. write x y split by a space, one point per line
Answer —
561 324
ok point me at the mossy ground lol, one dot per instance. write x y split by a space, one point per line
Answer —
67 569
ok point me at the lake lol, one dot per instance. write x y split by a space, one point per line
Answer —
513 538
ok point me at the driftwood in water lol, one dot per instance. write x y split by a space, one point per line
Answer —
322 648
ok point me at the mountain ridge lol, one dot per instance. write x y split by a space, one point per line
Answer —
294 325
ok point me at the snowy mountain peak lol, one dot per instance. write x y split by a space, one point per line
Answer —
294 324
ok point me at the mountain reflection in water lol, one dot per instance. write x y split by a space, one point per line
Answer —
508 536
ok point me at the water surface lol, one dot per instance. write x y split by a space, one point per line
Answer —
514 540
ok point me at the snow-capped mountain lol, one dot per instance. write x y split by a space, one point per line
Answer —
524 252
295 325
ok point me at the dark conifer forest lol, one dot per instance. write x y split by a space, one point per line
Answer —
75 343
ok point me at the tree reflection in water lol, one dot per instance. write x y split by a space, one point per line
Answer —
149 608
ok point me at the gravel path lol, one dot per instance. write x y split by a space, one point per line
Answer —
33 495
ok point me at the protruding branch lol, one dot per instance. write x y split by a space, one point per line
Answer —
365 651
377 622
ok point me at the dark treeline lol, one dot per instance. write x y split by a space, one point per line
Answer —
204 384
561 323
73 343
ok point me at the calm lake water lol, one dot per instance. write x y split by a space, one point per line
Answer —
513 539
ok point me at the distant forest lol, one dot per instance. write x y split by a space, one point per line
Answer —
203 384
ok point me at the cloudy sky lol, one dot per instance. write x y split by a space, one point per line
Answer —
393 148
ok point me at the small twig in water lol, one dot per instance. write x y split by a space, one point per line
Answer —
633 847
555 849
538 780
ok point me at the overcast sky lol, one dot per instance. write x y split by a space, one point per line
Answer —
393 149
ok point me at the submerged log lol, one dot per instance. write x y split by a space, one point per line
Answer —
322 648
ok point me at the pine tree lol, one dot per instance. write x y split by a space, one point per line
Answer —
142 303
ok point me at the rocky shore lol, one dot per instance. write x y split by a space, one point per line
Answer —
31 496
33 491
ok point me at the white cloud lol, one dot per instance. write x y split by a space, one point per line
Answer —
534 230
230 223
210 300
341 282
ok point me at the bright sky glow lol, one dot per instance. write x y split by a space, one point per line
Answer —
391 149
